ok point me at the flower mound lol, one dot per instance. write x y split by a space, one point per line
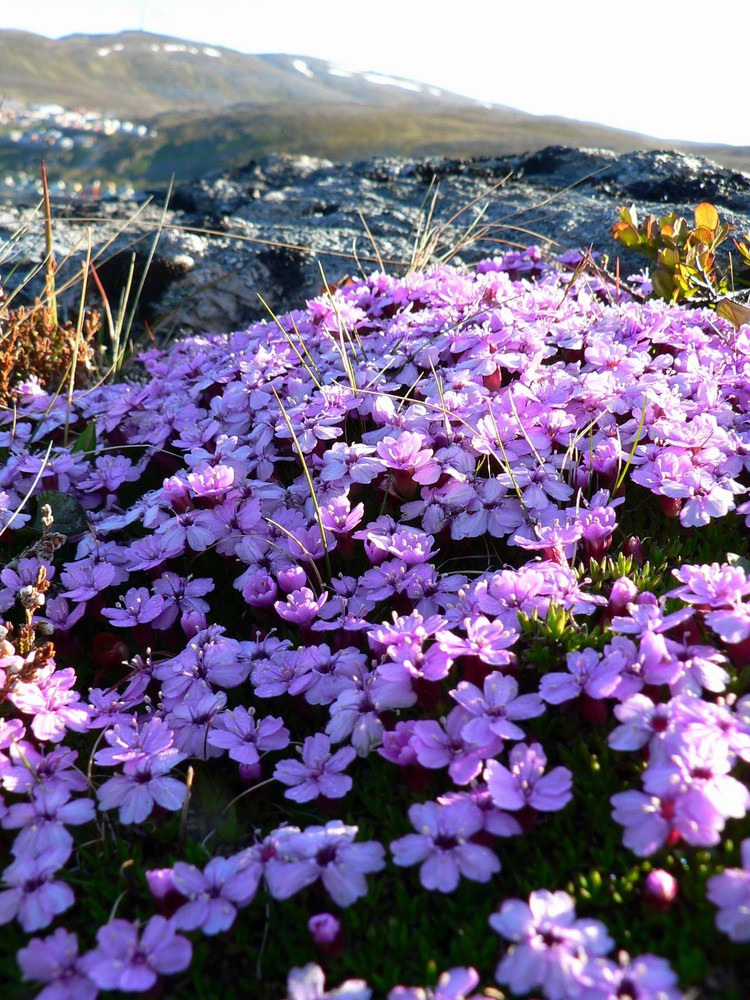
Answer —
416 602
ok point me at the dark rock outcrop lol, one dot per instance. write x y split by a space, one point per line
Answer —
284 226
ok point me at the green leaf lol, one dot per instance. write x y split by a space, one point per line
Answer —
734 560
626 234
69 517
736 314
86 441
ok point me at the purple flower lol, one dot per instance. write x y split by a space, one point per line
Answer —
213 894
134 743
153 550
732 625
730 891
44 818
324 927
60 616
642 722
646 614
309 983
413 547
33 897
586 675
487 640
693 668
86 579
258 587
53 703
211 480
301 607
210 660
323 674
646 818
338 517
551 947
123 961
408 456
55 961
526 784
646 977
238 732
191 722
180 595
319 771
446 746
698 774
354 462
195 529
137 607
297 858
455 984
443 846
714 586
494 711
26 768
490 511
354 714
137 791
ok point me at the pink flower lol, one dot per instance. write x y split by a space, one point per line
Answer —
301 607
211 480
324 927
551 947
410 459
526 784
53 703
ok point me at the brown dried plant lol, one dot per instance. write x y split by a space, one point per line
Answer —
32 343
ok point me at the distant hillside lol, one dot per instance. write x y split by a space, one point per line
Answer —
136 74
213 108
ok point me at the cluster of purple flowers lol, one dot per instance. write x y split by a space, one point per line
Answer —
327 489
563 955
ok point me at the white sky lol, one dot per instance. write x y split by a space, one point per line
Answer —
675 69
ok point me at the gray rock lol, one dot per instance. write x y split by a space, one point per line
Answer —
283 227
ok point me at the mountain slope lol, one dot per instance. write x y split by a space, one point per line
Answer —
139 74
210 108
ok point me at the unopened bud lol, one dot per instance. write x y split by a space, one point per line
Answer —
326 933
660 889
324 928
634 547
623 592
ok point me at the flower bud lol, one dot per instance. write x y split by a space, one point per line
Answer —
623 592
291 578
634 547
324 927
660 890
326 933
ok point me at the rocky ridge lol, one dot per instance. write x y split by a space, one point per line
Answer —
284 226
